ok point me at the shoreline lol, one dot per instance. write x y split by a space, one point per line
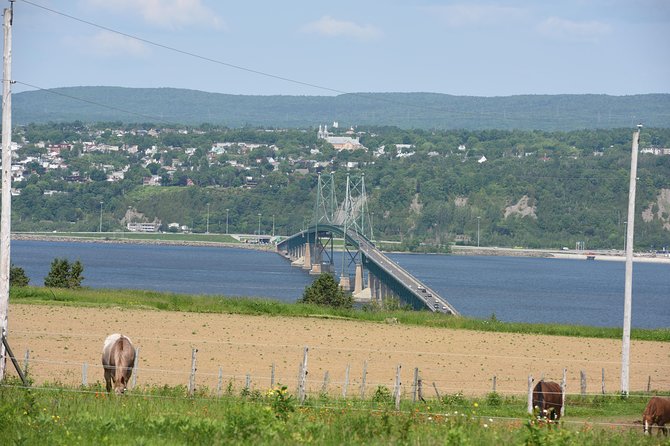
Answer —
609 255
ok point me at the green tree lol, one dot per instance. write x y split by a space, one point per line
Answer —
64 275
325 291
17 276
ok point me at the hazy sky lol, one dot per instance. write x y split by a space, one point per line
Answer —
473 48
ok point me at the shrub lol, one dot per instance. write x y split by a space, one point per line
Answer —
17 276
325 291
64 275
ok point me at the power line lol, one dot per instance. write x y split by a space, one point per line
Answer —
258 72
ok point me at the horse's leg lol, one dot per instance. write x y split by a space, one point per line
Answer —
108 379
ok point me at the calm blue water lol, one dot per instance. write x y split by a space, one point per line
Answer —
514 288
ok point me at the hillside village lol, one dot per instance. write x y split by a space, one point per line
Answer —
175 165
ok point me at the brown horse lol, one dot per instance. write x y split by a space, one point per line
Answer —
548 398
657 412
118 359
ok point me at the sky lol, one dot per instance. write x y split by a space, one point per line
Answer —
318 48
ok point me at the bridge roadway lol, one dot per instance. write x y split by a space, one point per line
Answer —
400 281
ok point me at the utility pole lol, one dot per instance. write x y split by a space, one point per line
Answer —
628 286
259 226
273 225
6 196
478 218
207 230
100 225
227 221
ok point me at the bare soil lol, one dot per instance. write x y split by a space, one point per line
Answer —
63 342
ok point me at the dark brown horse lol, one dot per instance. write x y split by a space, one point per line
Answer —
548 399
657 412
118 359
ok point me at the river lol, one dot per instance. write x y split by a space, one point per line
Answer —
515 289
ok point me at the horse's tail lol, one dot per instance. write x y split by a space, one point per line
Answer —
124 360
539 397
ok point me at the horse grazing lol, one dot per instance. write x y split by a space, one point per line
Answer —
657 412
548 398
118 359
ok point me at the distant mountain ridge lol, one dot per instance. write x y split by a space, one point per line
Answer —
404 110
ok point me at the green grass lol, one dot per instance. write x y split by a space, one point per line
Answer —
237 305
163 415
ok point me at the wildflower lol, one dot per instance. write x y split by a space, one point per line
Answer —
486 425
476 404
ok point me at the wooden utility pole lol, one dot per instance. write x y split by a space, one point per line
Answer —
6 207
628 286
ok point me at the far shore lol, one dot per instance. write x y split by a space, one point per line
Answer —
119 238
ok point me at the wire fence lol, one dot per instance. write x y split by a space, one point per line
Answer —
329 371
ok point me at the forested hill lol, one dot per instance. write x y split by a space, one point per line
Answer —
404 110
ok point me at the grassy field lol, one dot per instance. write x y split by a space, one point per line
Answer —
87 415
57 414
221 304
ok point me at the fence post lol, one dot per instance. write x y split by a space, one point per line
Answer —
602 383
564 385
272 376
495 378
326 380
135 363
582 382
191 380
365 374
247 384
219 382
397 387
437 392
346 381
303 376
84 374
415 385
419 388
530 394
649 384
26 359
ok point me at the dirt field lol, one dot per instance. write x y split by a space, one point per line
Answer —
64 341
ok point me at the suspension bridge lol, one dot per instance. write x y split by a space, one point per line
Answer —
376 277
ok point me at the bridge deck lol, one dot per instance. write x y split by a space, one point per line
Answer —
401 280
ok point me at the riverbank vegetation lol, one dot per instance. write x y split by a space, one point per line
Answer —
54 414
237 305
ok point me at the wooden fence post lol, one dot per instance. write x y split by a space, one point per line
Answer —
363 378
415 385
420 390
326 380
135 364
437 392
530 394
26 359
84 374
649 384
602 382
303 377
494 383
398 384
191 380
219 383
272 376
582 382
346 381
247 384
564 386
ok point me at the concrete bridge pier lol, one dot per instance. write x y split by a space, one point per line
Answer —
345 282
358 279
307 264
